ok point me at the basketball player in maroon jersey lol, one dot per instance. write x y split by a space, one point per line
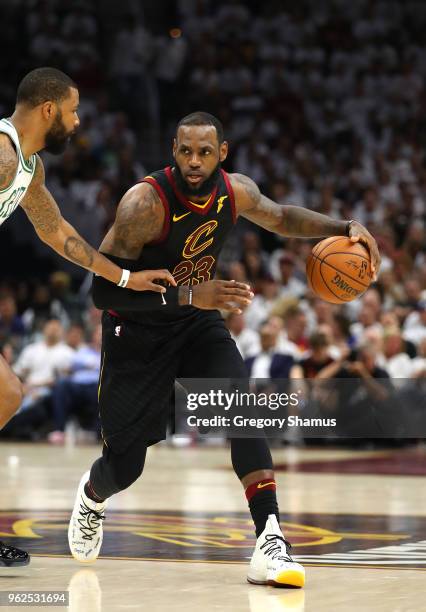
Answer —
178 218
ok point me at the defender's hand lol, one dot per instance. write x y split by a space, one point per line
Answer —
224 295
358 232
144 280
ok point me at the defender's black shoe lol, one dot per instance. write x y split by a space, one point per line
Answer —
12 557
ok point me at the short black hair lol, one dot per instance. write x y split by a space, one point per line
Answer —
43 85
202 118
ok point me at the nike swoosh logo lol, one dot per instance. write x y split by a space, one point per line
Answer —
178 218
265 484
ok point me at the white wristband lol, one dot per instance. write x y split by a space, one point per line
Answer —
124 278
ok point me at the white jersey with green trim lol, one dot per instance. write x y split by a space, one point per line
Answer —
13 194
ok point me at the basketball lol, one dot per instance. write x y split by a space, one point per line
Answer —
338 270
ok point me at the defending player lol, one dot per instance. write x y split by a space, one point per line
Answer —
179 218
46 117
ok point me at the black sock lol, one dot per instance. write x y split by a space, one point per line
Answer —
88 489
262 499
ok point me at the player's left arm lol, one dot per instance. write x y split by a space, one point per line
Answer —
43 212
54 230
296 221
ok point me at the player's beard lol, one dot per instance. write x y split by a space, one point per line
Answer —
57 138
206 187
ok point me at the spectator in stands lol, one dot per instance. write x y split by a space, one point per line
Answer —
322 312
77 394
263 302
246 339
38 367
393 292
366 319
295 323
65 304
418 369
341 328
42 362
39 309
390 320
362 363
75 336
317 358
370 388
254 268
290 285
359 384
269 363
414 328
398 362
12 327
132 55
284 345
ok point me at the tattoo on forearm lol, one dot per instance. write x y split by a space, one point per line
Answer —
298 221
78 251
285 220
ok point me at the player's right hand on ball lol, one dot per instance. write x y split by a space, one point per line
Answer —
145 280
223 295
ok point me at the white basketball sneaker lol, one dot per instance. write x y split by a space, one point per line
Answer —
271 562
85 529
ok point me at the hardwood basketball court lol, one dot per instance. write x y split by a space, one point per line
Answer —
181 537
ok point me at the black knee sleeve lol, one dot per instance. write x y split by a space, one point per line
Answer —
112 473
249 455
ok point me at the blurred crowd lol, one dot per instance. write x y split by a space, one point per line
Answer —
52 340
324 105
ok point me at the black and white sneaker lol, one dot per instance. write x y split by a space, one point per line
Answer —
13 557
85 529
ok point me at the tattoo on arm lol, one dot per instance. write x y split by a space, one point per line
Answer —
255 206
55 231
39 205
302 222
8 161
139 220
285 220
79 251
44 214
250 189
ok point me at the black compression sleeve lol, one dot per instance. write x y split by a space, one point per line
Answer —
108 296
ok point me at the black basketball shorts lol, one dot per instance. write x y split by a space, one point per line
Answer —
140 364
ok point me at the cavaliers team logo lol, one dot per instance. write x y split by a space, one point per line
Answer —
199 239
342 540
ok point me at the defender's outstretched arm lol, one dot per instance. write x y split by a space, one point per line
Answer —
55 231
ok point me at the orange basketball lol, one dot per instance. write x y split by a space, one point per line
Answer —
338 270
